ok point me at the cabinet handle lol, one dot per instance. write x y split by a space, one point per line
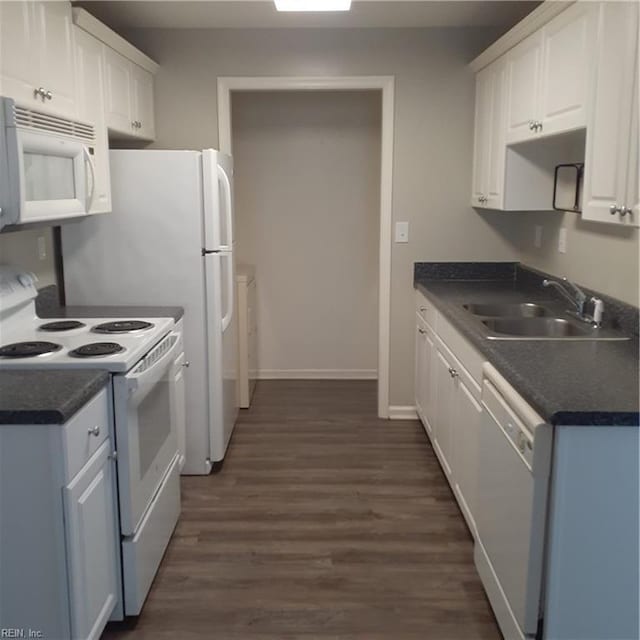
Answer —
453 373
614 208
95 431
538 126
532 125
186 364
421 331
624 211
48 95
40 91
423 309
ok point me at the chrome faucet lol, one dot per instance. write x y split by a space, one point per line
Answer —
578 298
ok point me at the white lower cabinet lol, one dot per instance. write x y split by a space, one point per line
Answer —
447 398
425 351
443 422
60 551
91 553
467 414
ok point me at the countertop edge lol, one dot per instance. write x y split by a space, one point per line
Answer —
558 418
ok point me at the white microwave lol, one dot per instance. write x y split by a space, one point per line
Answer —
46 166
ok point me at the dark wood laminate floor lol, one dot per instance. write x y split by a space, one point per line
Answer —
325 522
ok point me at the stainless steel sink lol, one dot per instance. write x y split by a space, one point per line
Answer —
533 321
523 310
537 327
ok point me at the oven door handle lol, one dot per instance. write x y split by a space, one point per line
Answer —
153 374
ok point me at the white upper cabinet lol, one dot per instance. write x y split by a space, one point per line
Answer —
548 76
118 91
142 106
611 157
569 40
524 67
37 55
91 108
489 142
129 97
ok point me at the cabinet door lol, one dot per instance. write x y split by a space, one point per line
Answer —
567 69
424 376
90 103
179 406
91 539
466 427
118 89
524 67
609 129
497 145
482 137
633 176
443 441
57 73
19 53
142 92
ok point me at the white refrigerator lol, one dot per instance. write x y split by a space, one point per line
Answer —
169 241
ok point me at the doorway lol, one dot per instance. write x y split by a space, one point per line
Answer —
383 86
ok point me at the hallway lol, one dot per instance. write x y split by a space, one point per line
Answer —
324 522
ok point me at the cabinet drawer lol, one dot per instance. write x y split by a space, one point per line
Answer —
426 310
85 432
462 349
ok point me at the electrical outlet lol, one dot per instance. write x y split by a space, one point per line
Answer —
402 232
42 248
537 236
562 240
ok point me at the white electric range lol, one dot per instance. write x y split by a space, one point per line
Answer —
144 356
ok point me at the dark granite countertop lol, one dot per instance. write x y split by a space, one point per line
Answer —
46 397
566 382
48 306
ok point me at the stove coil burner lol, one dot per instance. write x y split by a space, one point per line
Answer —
122 326
28 349
96 350
62 325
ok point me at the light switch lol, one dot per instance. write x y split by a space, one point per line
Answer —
562 240
402 232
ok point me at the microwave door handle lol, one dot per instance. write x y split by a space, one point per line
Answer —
92 170
154 373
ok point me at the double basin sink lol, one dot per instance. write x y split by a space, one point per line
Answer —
533 321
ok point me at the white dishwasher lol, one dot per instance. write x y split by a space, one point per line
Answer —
513 482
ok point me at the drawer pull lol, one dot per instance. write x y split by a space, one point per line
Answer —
186 364
422 331
95 431
453 373
423 309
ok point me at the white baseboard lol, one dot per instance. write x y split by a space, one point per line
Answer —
400 412
317 374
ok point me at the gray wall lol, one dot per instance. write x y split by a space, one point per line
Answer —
432 153
599 256
433 131
20 249
307 195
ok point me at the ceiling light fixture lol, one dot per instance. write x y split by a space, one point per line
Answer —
313 5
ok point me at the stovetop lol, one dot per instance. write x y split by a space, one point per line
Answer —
90 343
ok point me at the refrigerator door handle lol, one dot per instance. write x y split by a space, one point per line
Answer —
227 195
226 320
206 252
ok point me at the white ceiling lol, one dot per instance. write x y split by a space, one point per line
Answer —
207 14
